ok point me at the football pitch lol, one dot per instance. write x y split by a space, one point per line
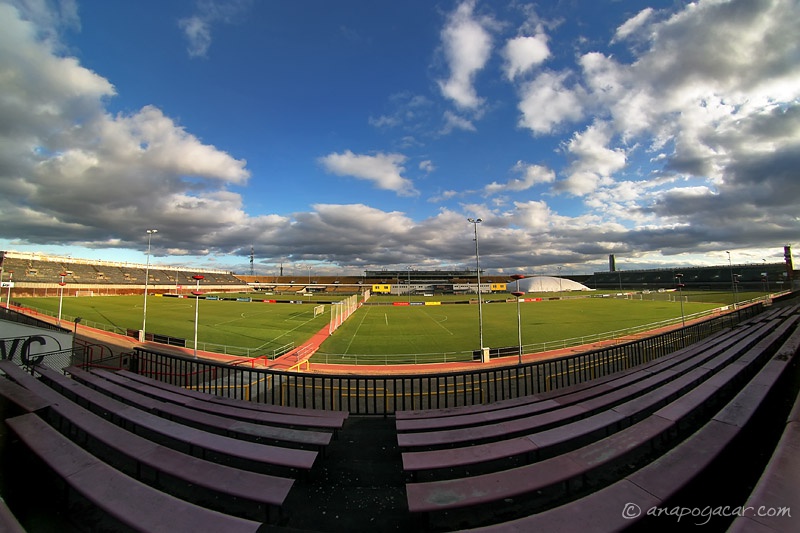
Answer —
408 334
257 328
379 332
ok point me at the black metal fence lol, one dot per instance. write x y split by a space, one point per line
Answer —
386 393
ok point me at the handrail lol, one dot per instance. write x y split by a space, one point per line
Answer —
387 392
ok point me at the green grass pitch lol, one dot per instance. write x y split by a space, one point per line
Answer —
420 329
400 334
258 326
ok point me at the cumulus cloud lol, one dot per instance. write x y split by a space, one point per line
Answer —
633 24
383 170
531 175
593 161
523 53
687 141
467 46
546 102
66 162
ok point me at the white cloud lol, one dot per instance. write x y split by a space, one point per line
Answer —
453 122
197 27
467 47
384 170
534 216
198 32
444 195
76 166
709 93
633 24
531 175
524 53
546 103
594 162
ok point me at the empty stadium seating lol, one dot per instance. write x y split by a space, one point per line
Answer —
602 455
86 274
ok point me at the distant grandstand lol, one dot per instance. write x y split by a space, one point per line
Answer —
39 275
35 274
752 277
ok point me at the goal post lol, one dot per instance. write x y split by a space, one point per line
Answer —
318 310
341 311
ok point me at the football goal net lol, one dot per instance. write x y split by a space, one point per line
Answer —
318 310
341 311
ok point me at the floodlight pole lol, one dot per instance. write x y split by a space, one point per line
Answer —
733 280
409 284
559 282
10 283
518 294
61 295
197 294
475 222
679 277
146 280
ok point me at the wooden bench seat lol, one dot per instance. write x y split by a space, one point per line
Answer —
22 397
777 491
9 522
656 483
187 414
680 398
114 444
434 419
496 487
569 436
249 455
336 417
779 485
130 502
541 421
230 411
106 439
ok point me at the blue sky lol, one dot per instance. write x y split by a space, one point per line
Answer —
344 136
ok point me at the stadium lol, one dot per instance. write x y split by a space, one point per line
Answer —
509 438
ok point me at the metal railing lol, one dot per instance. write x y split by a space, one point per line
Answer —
387 393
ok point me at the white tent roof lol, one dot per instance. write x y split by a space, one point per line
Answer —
547 284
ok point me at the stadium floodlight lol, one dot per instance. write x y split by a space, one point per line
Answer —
519 294
475 222
679 277
196 294
150 233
